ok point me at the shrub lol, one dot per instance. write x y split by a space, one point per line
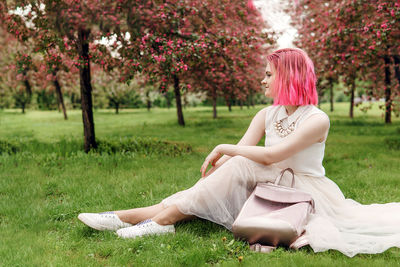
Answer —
393 143
8 148
146 146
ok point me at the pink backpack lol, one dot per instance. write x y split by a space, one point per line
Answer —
273 215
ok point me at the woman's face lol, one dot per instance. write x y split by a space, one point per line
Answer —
268 80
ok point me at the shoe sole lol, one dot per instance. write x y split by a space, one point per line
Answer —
138 236
299 243
83 218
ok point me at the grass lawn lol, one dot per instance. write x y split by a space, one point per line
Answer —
45 185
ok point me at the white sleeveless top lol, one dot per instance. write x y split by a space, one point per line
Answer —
306 162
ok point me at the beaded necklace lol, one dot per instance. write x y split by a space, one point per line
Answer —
281 130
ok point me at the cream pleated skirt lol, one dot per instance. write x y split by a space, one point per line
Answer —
338 223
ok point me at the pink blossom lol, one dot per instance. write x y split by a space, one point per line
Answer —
378 34
250 5
392 13
20 77
384 25
372 47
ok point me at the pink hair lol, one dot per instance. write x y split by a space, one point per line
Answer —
295 78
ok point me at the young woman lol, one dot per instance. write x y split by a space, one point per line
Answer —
295 134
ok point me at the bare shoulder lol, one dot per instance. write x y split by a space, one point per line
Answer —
261 113
265 110
320 118
318 124
260 118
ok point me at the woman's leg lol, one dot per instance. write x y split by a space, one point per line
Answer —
114 220
157 213
170 215
134 216
161 223
220 196
217 198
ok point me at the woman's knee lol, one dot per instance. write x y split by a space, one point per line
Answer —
239 160
170 215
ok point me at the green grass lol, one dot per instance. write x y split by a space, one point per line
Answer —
45 185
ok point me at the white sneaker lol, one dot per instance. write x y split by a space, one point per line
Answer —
147 227
103 221
300 242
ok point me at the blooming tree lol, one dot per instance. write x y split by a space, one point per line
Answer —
70 27
354 39
211 46
16 67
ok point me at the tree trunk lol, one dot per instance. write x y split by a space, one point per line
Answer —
229 104
148 102
28 86
60 97
23 107
168 101
251 98
28 89
330 84
396 67
351 114
241 104
86 91
353 86
388 92
214 104
178 100
116 107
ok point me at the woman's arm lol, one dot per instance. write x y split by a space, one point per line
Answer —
313 130
252 136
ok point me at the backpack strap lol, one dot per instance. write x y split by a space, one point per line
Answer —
261 248
278 179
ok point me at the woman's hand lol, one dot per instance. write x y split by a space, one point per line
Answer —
218 164
212 158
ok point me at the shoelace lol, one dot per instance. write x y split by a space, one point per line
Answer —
143 222
143 225
107 214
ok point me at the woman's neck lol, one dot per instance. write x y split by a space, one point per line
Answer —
290 109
